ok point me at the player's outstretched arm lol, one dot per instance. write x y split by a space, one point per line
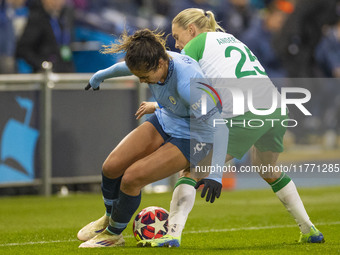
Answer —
116 70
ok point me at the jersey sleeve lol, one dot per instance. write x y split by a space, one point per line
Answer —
204 114
116 70
220 147
195 47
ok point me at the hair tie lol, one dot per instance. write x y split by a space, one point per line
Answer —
205 14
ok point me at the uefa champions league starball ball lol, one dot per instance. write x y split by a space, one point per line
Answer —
150 223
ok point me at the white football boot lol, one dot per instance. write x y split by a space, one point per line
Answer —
104 239
94 228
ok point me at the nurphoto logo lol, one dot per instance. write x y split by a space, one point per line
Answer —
243 101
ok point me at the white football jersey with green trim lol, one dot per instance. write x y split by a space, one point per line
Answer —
235 73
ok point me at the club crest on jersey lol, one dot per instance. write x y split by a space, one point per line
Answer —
172 100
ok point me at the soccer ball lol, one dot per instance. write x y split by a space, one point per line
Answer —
151 222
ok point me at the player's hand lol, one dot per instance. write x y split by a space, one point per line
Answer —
89 86
213 187
145 108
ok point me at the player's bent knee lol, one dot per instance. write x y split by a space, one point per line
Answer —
111 169
132 181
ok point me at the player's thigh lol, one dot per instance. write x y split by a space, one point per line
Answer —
266 152
162 163
138 144
264 157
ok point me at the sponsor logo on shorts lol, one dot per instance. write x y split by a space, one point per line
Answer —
199 147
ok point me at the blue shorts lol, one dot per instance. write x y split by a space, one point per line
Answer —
191 153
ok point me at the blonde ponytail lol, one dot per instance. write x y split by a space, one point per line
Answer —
203 20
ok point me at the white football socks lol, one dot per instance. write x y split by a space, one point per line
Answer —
290 198
183 199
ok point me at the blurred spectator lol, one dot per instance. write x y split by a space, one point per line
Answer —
18 11
109 16
47 36
80 4
235 16
162 7
296 45
301 33
178 6
13 15
328 52
260 4
328 58
259 36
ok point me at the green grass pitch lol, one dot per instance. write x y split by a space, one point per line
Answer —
239 222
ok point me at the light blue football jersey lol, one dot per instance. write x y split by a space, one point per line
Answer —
175 96
180 98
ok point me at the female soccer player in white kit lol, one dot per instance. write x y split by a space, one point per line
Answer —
229 64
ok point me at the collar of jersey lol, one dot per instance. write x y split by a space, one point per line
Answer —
170 71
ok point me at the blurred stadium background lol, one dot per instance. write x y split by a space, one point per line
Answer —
54 136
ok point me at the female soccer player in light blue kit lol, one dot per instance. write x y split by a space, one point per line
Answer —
162 145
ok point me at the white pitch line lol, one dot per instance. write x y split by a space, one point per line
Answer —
254 228
40 242
186 232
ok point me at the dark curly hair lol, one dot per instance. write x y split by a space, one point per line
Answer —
143 49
